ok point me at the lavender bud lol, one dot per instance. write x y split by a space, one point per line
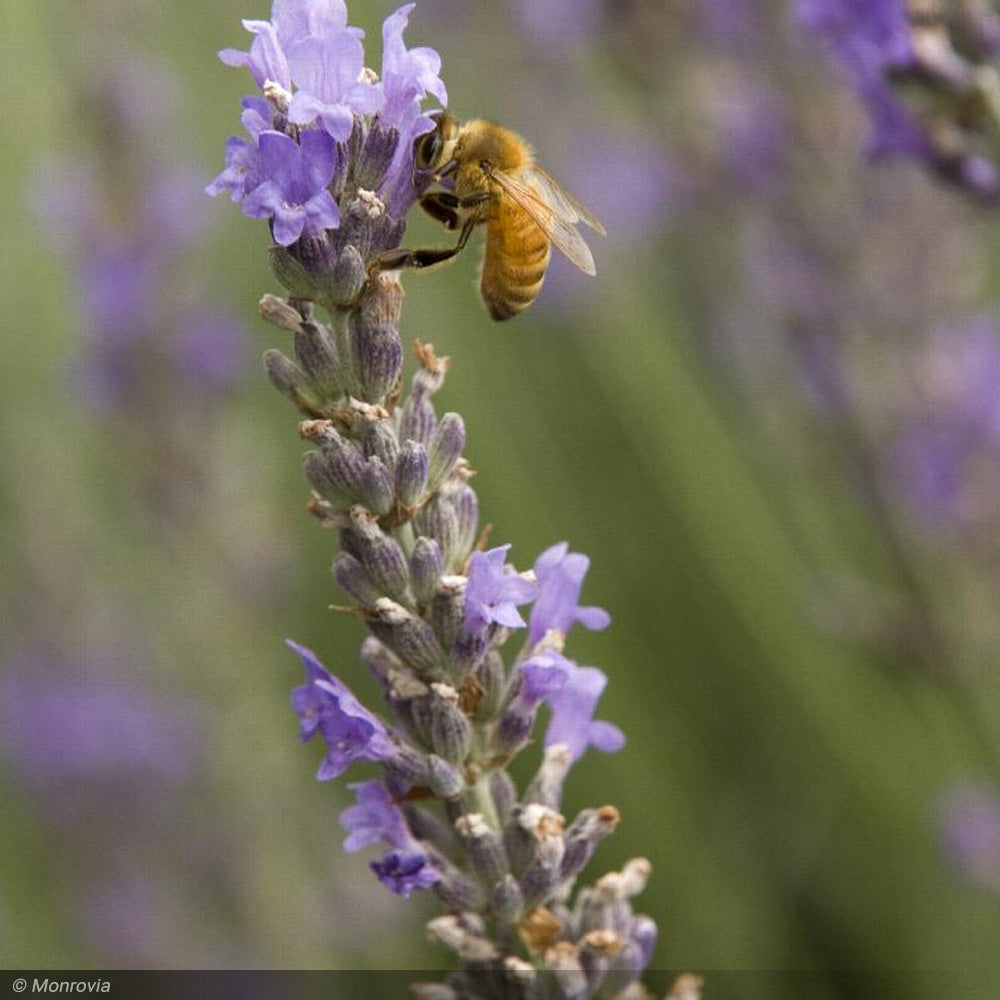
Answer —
291 381
513 730
437 519
351 575
507 901
445 449
454 933
411 473
527 828
490 675
465 505
374 155
644 934
456 890
449 730
346 278
446 780
345 462
280 313
409 637
380 442
425 569
403 692
318 472
447 610
547 786
316 353
292 274
523 975
379 660
376 486
542 877
386 565
583 836
485 848
564 962
467 652
597 950
418 420
374 339
504 794
424 825
408 767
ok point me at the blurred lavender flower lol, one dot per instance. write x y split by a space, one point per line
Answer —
970 825
930 96
125 228
71 727
947 457
558 26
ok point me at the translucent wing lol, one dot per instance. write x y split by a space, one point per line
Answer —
559 232
565 203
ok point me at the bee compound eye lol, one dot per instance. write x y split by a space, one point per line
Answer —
427 151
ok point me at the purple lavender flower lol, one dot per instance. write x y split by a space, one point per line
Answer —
494 591
408 76
542 676
266 58
970 820
376 817
327 69
325 706
293 190
242 171
573 705
404 871
560 575
291 22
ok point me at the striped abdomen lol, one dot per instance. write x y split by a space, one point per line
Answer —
517 255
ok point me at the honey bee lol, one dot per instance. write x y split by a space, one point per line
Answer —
497 184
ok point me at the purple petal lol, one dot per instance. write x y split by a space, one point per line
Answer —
606 736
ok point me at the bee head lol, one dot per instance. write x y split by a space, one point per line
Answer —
435 149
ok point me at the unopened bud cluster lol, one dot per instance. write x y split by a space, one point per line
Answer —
388 475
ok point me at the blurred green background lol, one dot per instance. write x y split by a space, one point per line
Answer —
791 731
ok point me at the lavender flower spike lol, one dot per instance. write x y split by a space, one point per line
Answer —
389 477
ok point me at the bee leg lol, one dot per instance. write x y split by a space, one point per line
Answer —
446 208
394 260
